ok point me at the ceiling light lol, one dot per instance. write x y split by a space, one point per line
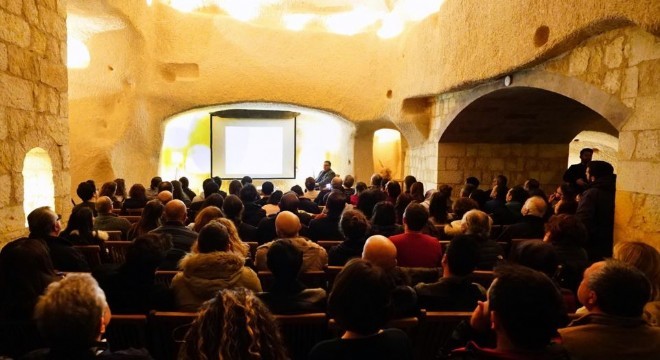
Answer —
297 22
416 10
392 26
351 22
77 54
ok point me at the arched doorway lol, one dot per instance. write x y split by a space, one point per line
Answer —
38 186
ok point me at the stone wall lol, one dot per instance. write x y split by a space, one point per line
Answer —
518 162
33 102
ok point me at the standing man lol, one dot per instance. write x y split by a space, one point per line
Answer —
325 176
575 175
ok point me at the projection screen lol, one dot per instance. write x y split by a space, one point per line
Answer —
257 143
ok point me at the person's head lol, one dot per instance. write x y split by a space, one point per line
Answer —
103 205
210 187
415 217
517 194
467 190
400 206
235 187
284 260
81 220
213 200
614 287
121 186
336 183
565 192
537 255
462 255
275 197
145 252
151 214
525 307
376 180
360 297
205 216
463 205
165 186
233 207
326 165
501 181
236 245
155 181
354 225
644 257
72 314
108 189
85 191
586 155
472 181
446 190
43 222
417 191
296 189
310 183
177 191
212 237
235 324
175 210
380 251
360 187
185 183
476 222
137 192
438 207
384 214
368 199
336 202
565 230
217 180
534 206
289 202
248 193
246 180
267 188
393 189
287 224
408 181
165 196
598 169
349 180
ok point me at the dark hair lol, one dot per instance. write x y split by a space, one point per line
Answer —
467 190
310 183
537 255
81 220
267 187
472 181
138 192
599 168
155 181
586 150
622 289
246 180
336 202
408 181
400 206
177 192
233 207
527 304
349 180
284 260
368 199
445 190
217 180
384 214
415 216
501 180
463 254
210 187
108 189
296 189
354 225
41 221
519 194
393 189
360 297
85 191
121 187
275 197
184 182
165 186
214 199
463 205
532 184
360 187
417 191
213 237
327 162
566 229
150 218
235 187
289 202
376 180
145 252
438 207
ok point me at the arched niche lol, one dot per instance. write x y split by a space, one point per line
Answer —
38 185
387 154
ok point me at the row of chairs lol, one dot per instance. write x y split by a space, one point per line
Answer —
163 332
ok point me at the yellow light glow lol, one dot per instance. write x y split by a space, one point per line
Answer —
77 54
351 22
186 5
38 185
392 26
297 22
416 10
149 2
387 135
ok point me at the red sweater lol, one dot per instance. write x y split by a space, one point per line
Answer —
417 250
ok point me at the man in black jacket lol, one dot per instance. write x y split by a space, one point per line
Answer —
575 174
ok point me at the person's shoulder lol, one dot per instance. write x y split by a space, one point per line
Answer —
327 349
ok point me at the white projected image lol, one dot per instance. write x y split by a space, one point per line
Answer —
253 150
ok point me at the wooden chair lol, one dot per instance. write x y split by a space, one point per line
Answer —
134 212
301 332
433 331
253 248
407 324
117 251
114 235
328 244
331 273
92 254
116 211
483 277
422 275
166 333
311 279
127 331
131 218
165 277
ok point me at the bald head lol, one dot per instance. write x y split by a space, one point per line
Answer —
175 210
287 224
380 251
534 206
165 196
336 182
103 205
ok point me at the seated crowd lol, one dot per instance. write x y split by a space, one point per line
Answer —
237 258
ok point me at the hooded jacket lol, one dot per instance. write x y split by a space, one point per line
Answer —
203 275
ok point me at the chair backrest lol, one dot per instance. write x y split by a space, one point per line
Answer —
117 251
328 244
134 212
441 232
331 273
418 274
92 254
433 332
517 243
407 324
114 235
131 218
311 279
165 277
253 248
482 277
116 211
166 333
495 231
301 332
127 331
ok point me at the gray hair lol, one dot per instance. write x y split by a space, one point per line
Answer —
477 222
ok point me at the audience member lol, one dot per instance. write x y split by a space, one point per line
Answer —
179 194
120 194
137 198
348 182
288 295
408 181
209 268
165 186
478 223
614 293
149 220
393 190
266 231
568 236
368 199
267 189
326 227
383 220
86 193
165 196
272 205
246 180
417 192
175 217
415 249
107 220
325 176
322 197
515 199
454 291
438 209
400 206
235 187
252 212
152 191
310 189
80 231
360 304
205 216
235 324
287 225
236 245
185 186
563 200
461 206
359 188
304 204
596 209
233 209
531 226
533 187
647 259
109 189
496 205
376 182
354 228
575 175
210 187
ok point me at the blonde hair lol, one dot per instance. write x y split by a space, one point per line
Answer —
236 245
645 258
234 325
205 216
